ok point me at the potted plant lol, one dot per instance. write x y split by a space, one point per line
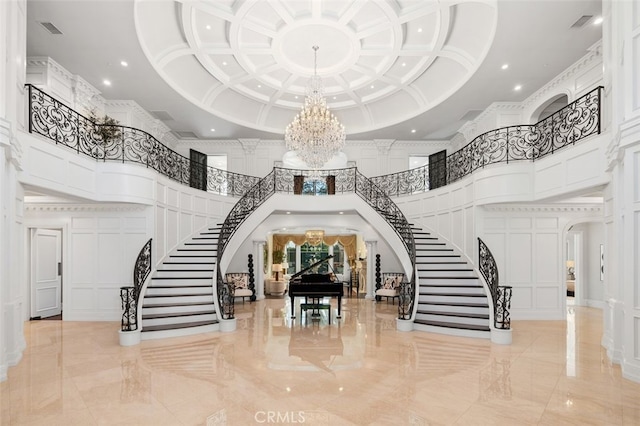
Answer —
101 130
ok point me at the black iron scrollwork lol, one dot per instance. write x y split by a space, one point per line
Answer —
54 120
501 295
569 125
131 295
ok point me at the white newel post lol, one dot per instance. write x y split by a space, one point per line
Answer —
258 248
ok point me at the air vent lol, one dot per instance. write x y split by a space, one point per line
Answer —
51 28
162 115
581 21
471 114
187 135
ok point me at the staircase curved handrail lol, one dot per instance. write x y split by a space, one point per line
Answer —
130 296
574 122
384 205
251 200
58 122
500 295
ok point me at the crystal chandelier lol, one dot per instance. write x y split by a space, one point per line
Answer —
315 133
314 237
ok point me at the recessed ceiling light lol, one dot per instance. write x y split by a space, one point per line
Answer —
505 66
340 212
224 63
372 86
404 64
296 96
288 212
213 130
259 86
419 30
413 130
106 82
598 20
518 87
208 27
334 97
124 63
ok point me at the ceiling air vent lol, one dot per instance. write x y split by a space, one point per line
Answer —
581 21
187 135
51 28
161 115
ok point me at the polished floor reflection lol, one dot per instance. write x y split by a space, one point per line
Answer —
356 371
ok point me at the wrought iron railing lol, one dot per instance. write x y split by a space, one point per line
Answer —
131 295
501 295
567 126
56 121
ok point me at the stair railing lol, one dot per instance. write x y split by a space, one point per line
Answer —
500 295
576 121
384 205
58 122
130 295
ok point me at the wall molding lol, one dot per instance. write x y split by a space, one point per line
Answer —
42 207
545 208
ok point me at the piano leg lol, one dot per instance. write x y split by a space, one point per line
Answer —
293 307
339 306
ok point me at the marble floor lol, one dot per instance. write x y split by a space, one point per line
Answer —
356 371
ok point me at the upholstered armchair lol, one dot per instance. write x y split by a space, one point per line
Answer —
390 285
240 282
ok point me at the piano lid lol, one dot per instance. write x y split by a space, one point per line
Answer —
324 259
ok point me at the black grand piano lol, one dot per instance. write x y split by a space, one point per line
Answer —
314 287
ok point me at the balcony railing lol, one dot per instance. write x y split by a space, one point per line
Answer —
578 120
56 121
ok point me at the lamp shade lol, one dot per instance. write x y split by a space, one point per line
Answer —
276 267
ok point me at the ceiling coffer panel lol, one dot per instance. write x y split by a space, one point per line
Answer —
249 62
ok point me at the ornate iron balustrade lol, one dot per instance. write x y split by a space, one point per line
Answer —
384 205
567 126
131 295
501 295
56 121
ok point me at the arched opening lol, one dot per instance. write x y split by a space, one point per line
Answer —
549 107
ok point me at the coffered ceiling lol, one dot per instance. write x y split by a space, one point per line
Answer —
227 69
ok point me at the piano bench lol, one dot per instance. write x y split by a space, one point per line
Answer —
315 306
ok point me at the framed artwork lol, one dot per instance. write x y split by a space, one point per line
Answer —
601 262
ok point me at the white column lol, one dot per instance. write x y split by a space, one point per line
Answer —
12 281
258 268
372 246
621 39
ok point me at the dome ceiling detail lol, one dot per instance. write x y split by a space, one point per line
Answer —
381 62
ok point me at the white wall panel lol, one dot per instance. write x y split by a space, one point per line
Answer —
82 177
172 197
185 201
186 227
520 223
47 165
108 223
161 196
520 257
160 233
521 300
83 255
580 167
173 230
548 258
82 299
547 222
109 259
549 176
457 229
200 205
83 222
135 223
548 298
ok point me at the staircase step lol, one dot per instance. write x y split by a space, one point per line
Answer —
449 280
431 274
179 325
454 314
178 308
174 319
177 314
159 299
185 273
462 289
460 304
178 290
203 266
447 324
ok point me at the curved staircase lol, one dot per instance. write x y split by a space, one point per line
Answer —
451 298
179 299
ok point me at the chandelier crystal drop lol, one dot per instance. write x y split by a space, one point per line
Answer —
315 133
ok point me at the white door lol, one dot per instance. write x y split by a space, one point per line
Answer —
46 273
